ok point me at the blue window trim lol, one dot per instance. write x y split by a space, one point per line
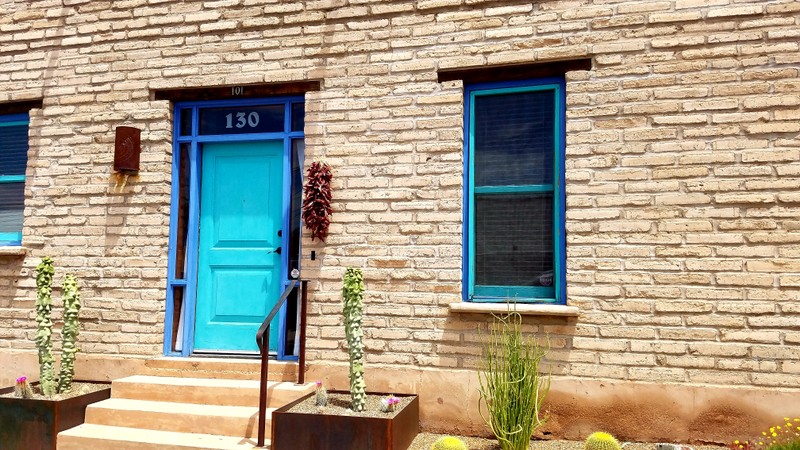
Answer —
195 140
556 294
13 239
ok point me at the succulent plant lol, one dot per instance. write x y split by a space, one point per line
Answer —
353 294
601 441
44 332
22 389
69 333
321 395
449 443
388 404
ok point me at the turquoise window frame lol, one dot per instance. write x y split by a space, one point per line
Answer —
528 294
7 120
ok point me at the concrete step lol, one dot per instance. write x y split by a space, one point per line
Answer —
234 369
207 391
179 417
103 437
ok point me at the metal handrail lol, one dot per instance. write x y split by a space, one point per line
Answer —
262 339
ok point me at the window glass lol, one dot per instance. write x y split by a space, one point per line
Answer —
186 121
11 203
514 138
13 161
182 228
298 116
514 239
242 119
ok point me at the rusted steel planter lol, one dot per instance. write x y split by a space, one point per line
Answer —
295 430
30 424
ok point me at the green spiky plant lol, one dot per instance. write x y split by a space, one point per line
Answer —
44 332
601 441
449 443
353 294
69 332
512 390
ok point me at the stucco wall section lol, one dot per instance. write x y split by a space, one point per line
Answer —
682 169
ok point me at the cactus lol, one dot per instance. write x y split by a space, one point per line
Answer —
601 441
353 294
388 404
22 389
321 395
69 333
44 332
449 443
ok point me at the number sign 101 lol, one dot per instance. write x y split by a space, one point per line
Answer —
241 119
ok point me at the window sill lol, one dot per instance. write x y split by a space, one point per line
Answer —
523 309
11 250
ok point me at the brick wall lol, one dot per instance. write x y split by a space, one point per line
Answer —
682 176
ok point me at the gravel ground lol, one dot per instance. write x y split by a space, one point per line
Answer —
425 440
78 388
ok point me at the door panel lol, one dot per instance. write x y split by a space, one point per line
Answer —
239 267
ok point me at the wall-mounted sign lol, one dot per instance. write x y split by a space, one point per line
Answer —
242 119
127 146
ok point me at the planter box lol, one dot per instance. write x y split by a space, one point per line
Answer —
318 431
30 424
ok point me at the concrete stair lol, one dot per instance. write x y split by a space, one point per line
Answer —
175 407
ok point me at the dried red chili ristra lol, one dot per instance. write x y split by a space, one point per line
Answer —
317 202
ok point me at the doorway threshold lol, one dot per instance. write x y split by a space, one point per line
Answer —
231 355
220 366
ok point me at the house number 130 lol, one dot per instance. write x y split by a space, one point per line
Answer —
242 119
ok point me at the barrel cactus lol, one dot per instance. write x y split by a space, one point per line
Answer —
601 441
353 294
449 443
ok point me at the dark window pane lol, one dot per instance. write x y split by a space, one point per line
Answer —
514 239
186 122
298 150
13 149
12 199
291 339
242 119
298 116
514 139
177 317
183 213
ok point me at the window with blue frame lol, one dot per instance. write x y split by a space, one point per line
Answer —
13 161
514 201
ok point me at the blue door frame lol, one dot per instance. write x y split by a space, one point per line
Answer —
187 138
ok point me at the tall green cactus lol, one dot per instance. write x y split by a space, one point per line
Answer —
353 293
44 332
69 333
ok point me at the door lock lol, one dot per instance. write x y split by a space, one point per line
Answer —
277 250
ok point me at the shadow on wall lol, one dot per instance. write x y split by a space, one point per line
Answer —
555 331
654 413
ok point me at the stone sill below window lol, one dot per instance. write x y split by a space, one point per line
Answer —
11 250
523 309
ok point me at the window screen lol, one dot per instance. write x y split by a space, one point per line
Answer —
13 161
514 151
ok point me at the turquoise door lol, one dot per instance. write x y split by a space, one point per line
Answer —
239 261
